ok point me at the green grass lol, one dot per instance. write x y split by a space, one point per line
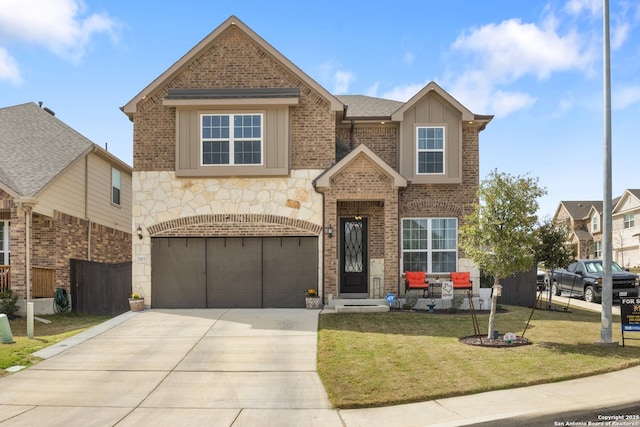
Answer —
381 359
62 326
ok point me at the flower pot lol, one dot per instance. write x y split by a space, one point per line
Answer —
136 304
312 302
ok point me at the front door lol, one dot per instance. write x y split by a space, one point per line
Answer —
353 259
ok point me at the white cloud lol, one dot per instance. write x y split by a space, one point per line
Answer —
576 7
624 97
504 103
409 57
9 68
57 25
341 81
403 93
373 90
501 54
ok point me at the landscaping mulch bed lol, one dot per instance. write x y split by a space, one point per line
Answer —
483 341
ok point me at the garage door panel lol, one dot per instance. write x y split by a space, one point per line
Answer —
234 272
290 267
178 275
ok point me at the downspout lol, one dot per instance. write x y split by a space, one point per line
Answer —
351 139
86 203
400 194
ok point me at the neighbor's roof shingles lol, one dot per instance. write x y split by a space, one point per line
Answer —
35 147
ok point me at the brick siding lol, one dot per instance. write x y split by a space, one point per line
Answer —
234 61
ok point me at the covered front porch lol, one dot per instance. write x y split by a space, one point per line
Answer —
361 216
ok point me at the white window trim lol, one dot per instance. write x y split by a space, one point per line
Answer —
429 249
629 220
5 246
443 150
232 139
595 223
597 249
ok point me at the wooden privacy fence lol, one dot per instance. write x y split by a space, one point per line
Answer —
5 282
42 282
100 289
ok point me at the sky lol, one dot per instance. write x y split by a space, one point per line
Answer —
537 66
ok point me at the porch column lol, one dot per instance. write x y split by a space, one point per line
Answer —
26 205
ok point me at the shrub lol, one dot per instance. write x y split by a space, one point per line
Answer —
456 303
411 299
8 304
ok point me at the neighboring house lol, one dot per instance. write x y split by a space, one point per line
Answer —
252 183
61 197
584 220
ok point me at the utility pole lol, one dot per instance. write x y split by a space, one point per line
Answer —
607 285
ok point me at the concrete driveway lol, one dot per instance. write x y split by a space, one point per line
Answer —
178 367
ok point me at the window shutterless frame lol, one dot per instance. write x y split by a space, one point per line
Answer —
5 246
233 139
430 244
116 186
430 150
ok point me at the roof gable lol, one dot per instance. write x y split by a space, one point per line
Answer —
131 107
630 196
324 180
467 115
35 148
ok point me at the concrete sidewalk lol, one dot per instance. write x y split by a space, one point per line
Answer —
249 368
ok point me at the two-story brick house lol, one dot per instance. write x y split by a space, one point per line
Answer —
62 197
584 221
252 183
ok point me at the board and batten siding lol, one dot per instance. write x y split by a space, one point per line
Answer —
433 110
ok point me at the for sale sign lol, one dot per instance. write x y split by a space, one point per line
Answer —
630 315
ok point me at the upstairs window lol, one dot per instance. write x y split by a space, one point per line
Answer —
232 139
595 223
116 185
629 221
430 149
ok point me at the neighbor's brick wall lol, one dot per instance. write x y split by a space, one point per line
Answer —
234 61
55 241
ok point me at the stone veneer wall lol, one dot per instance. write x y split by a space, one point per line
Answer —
166 206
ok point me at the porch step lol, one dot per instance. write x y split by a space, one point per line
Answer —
358 305
362 308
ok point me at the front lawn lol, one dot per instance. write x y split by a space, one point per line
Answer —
381 359
45 334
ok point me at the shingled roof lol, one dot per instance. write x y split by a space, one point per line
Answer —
360 107
35 147
579 209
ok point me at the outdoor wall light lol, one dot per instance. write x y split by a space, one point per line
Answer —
139 232
330 231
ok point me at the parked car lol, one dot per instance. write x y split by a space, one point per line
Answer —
541 280
583 278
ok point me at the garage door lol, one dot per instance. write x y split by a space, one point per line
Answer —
241 272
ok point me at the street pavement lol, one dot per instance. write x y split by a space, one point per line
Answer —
247 367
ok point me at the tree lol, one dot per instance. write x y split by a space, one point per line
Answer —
553 248
498 236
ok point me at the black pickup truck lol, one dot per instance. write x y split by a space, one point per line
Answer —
583 278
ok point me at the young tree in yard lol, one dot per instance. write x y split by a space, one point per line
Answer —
552 248
499 235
